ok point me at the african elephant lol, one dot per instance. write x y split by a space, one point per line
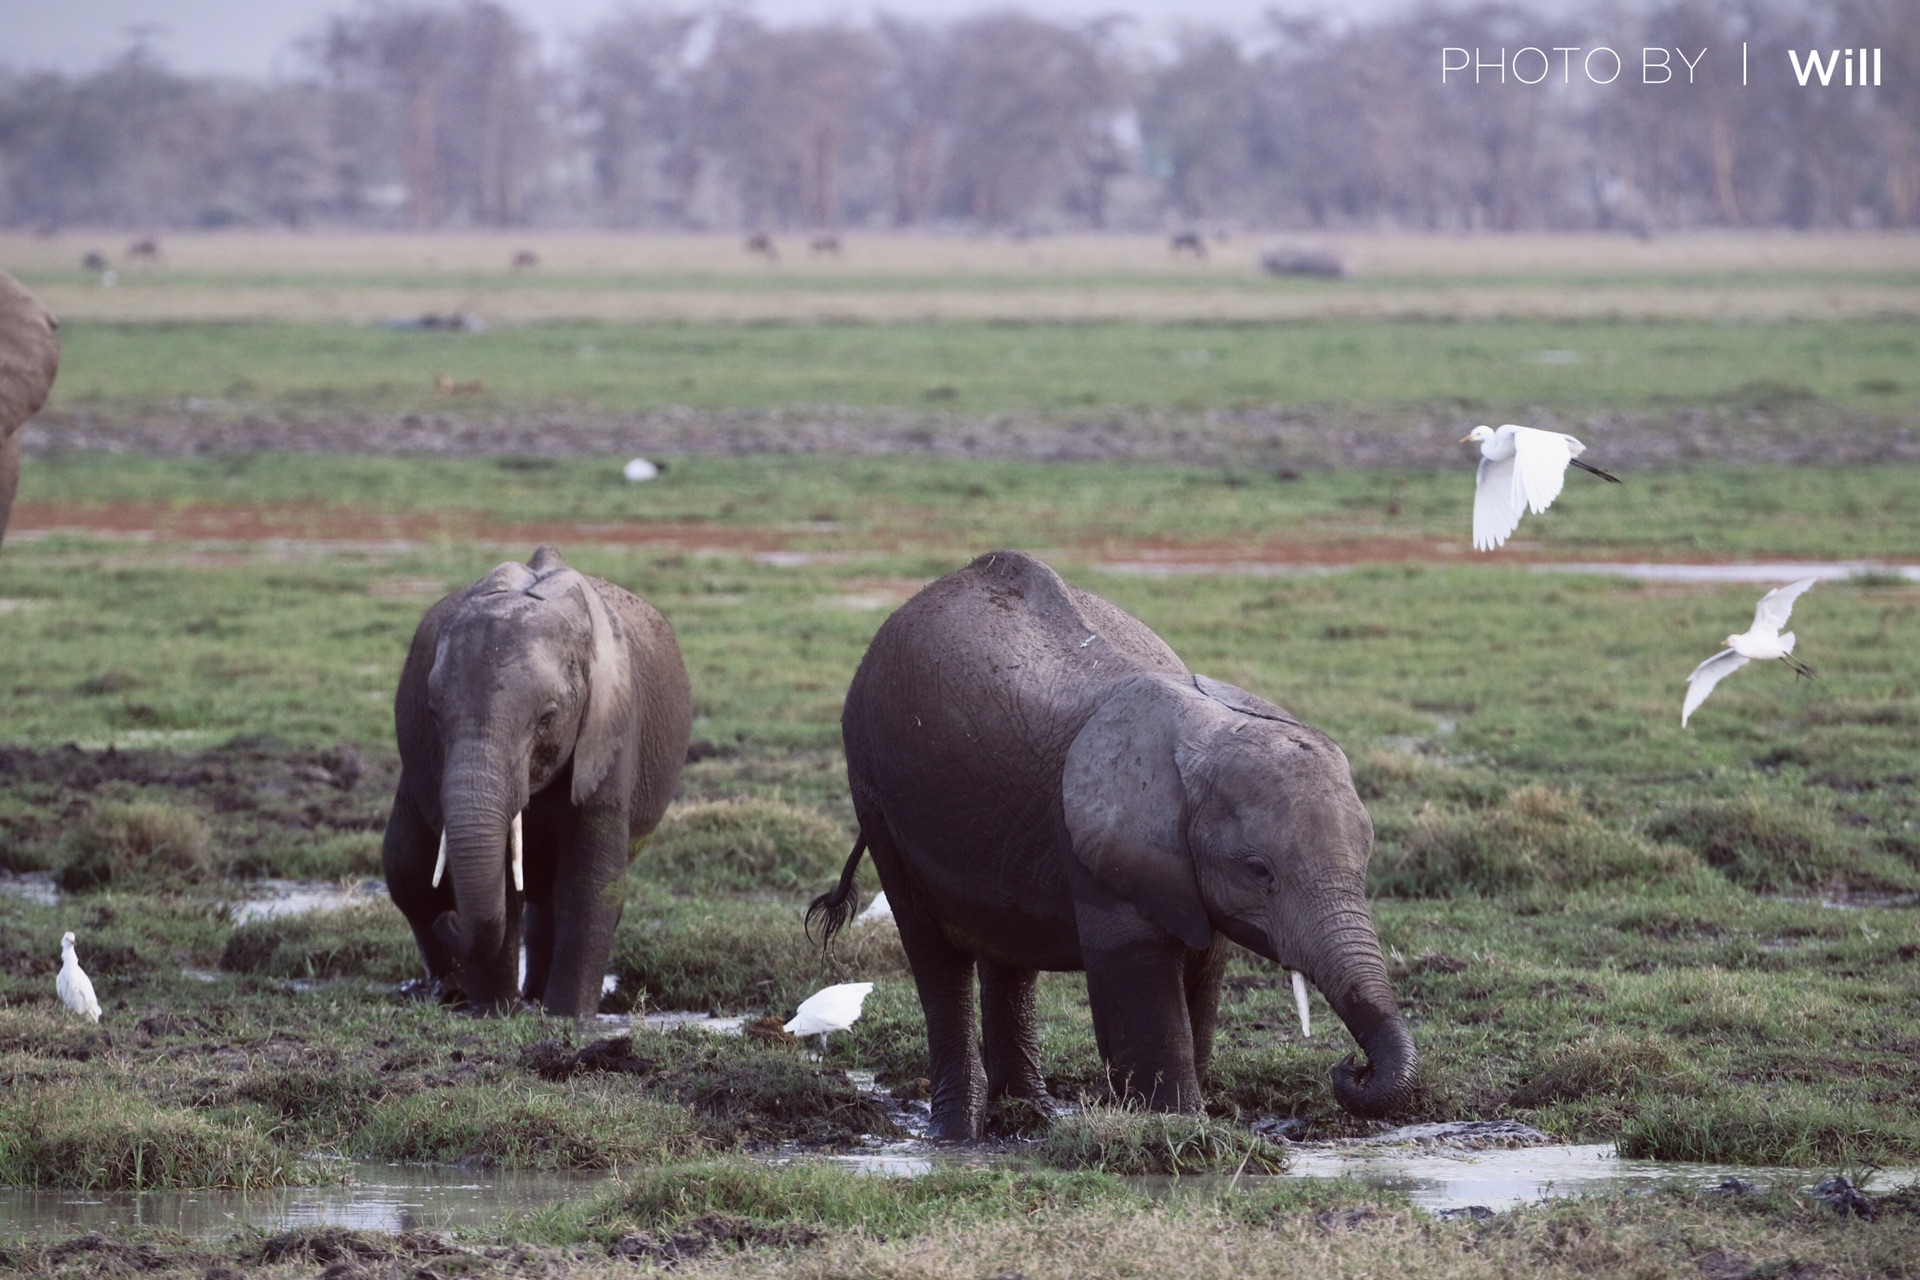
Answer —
543 718
1044 785
29 358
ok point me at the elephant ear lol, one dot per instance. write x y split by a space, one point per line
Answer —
609 698
1125 804
29 354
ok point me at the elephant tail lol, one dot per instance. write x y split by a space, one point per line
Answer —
835 907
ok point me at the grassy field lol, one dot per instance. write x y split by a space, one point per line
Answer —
1600 924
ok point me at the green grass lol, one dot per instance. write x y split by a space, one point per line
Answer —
1494 367
1119 1141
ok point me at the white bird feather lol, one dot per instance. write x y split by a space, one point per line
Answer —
1761 641
73 984
830 1009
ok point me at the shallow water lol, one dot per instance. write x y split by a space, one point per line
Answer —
275 899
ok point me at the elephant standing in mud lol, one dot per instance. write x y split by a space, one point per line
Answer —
1044 785
543 719
29 359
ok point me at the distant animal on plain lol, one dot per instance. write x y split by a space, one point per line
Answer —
1303 262
639 470
828 245
29 359
444 383
146 249
525 260
1187 242
73 984
762 244
94 261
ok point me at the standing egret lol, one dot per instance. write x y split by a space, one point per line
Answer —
1521 469
73 984
830 1009
879 911
1761 640
640 469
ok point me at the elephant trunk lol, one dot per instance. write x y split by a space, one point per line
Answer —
479 799
1353 977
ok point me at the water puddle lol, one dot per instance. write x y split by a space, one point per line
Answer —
278 899
36 887
380 1197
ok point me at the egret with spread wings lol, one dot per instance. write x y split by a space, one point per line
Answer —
1760 641
1521 469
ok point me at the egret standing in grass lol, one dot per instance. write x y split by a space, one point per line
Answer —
1760 641
1521 469
831 1009
73 984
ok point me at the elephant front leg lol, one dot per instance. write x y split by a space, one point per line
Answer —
589 891
1009 1025
1203 973
536 923
407 854
1137 987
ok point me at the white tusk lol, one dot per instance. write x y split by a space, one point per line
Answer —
519 876
1300 1002
440 867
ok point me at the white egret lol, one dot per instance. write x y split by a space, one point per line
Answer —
879 911
1521 469
830 1009
640 469
1762 640
73 984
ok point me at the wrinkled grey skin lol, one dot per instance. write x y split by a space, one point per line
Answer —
29 359
1044 785
543 690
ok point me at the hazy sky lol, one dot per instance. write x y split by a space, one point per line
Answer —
254 37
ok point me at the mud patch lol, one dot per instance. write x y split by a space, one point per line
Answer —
551 1060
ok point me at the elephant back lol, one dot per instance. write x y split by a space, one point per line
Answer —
29 354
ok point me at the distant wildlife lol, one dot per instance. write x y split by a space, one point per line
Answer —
525 260
827 245
761 243
542 719
146 249
1521 469
29 359
73 984
1763 640
1187 242
1303 262
639 469
444 384
828 1010
94 261
1044 785
879 911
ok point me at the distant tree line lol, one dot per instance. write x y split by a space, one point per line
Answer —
419 114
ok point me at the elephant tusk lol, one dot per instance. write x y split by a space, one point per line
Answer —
1300 1002
519 875
440 867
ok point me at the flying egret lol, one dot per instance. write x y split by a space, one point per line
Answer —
1521 469
1761 640
73 984
879 911
640 469
830 1009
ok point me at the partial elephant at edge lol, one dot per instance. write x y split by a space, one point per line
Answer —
1044 785
29 360
542 718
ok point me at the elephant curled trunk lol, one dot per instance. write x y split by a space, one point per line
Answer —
1356 985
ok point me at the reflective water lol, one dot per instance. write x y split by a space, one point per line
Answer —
274 899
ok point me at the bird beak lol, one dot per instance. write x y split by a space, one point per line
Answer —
1466 439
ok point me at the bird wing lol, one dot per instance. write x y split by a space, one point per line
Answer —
1542 458
1705 676
1776 606
1497 503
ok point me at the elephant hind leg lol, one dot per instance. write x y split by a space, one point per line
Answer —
1009 1024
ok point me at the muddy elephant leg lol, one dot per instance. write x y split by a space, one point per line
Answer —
1137 988
589 892
1204 970
408 853
1009 1025
943 975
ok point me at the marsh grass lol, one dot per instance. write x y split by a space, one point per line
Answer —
120 1141
135 842
513 1123
1123 1141
1782 1126
1771 845
747 843
369 941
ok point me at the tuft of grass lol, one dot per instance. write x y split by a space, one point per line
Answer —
748 843
1121 1141
581 1124
142 841
1608 1063
1787 1125
752 1092
53 1135
1538 837
1769 845
368 941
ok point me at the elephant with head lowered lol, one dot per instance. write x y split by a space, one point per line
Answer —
1044 785
29 359
543 719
